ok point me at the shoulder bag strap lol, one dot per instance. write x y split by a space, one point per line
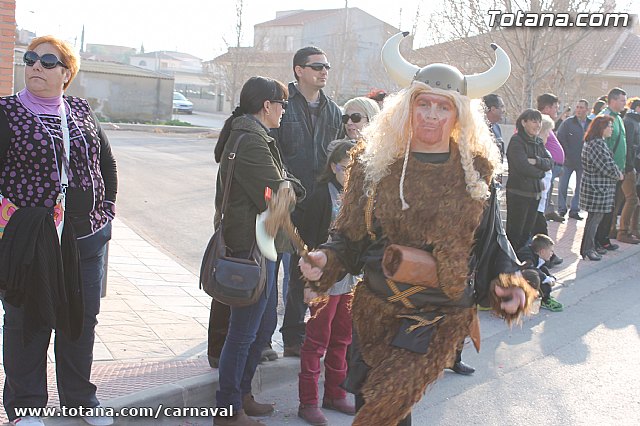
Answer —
229 177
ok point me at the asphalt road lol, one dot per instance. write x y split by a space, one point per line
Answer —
166 187
204 119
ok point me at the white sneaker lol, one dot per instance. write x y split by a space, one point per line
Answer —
98 420
28 421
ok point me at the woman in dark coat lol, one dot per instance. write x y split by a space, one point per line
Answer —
257 166
598 186
528 161
55 162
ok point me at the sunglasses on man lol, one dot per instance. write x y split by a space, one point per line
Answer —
48 60
356 117
317 66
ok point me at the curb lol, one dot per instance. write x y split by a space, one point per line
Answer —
157 128
197 391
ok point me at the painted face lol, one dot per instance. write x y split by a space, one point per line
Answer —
433 119
309 77
340 169
352 128
44 82
532 127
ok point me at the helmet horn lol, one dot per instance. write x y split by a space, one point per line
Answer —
479 85
400 71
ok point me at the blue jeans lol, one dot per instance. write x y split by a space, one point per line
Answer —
563 187
26 367
250 331
286 262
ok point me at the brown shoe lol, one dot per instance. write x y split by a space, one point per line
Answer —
292 350
343 405
253 408
239 419
625 237
312 415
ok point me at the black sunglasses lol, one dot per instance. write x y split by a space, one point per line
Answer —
355 117
48 60
282 102
317 66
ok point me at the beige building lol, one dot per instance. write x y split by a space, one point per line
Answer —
351 37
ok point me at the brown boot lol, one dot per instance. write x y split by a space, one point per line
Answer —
626 237
239 419
253 408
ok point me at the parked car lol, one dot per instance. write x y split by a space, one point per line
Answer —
181 104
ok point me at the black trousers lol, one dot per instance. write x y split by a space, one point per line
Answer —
521 216
293 326
540 225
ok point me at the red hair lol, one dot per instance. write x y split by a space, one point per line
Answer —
597 126
68 56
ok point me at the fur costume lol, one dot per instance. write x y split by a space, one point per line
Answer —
442 216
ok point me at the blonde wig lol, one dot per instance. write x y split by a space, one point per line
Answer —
389 135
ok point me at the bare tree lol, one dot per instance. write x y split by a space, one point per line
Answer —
544 58
233 68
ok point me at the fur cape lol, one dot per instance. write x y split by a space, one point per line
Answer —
442 214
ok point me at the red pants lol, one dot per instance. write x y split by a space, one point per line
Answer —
328 330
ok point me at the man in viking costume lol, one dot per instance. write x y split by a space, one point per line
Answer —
420 218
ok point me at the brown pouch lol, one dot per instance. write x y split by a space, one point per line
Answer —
410 265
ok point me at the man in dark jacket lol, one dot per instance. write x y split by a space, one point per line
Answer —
571 136
312 121
632 129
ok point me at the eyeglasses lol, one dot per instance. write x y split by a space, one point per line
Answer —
48 60
355 117
317 66
282 102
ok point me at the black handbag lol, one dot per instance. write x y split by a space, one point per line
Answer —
233 281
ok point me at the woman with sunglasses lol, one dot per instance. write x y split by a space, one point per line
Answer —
55 162
258 166
598 185
358 112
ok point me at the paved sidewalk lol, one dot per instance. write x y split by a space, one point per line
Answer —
152 328
151 337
